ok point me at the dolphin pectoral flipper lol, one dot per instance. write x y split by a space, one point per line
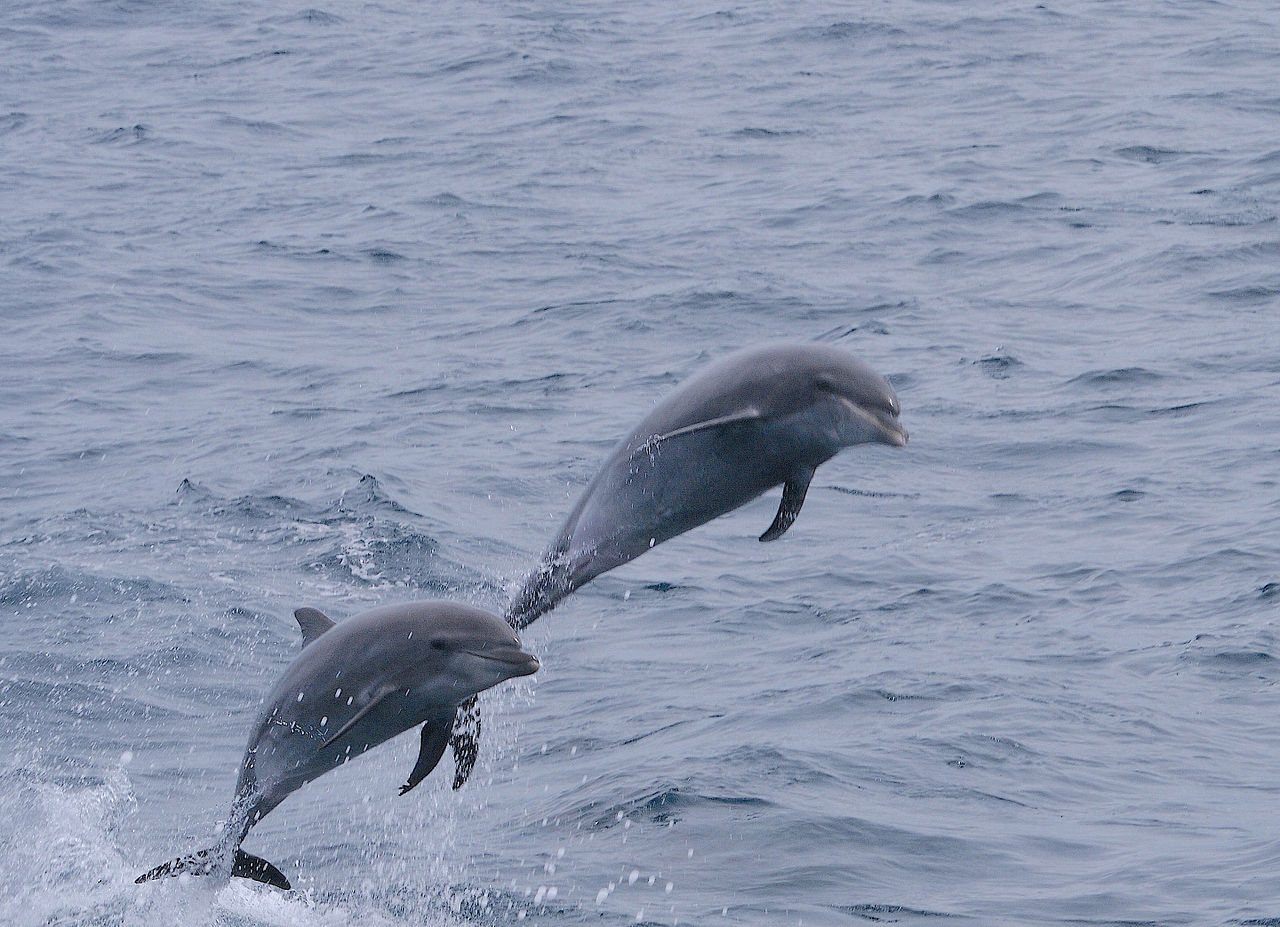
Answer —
465 741
793 492
747 414
436 734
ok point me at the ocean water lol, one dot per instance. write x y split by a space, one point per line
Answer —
342 306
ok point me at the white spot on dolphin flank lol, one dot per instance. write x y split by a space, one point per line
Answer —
337 693
299 696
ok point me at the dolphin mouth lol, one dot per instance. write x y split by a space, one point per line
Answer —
520 663
894 434
891 430
884 421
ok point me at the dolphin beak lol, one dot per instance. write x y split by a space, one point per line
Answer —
517 662
891 430
529 665
884 421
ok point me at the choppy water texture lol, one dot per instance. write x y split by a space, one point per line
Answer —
342 306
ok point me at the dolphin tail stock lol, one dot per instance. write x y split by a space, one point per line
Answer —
542 590
208 862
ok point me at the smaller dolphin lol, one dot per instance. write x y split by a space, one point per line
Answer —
355 685
763 417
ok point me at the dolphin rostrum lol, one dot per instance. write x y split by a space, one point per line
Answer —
760 418
355 685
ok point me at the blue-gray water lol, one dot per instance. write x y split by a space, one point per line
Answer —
342 306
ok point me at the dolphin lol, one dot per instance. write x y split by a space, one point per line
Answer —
760 418
355 685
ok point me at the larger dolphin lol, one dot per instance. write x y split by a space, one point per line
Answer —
355 685
760 418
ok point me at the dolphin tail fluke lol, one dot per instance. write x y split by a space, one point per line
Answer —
248 866
206 862
465 741
541 591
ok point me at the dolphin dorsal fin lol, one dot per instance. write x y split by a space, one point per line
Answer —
313 623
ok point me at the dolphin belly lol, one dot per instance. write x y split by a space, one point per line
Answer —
658 493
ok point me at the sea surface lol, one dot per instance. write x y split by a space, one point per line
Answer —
342 306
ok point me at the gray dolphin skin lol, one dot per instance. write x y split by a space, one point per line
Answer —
760 418
355 685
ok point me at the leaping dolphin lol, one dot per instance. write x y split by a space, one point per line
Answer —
760 418
355 685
